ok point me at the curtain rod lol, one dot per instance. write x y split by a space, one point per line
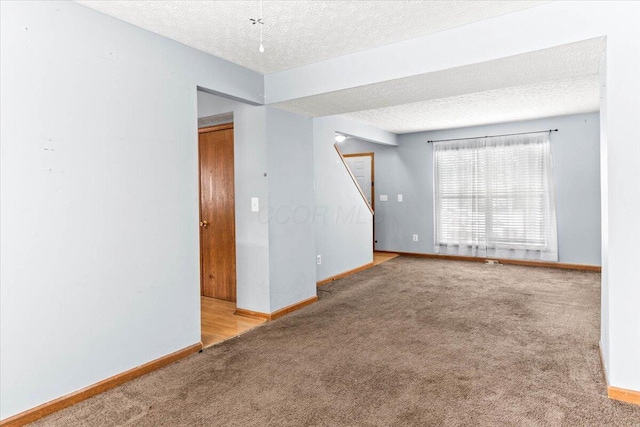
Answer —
493 136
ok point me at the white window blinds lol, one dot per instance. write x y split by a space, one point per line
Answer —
494 197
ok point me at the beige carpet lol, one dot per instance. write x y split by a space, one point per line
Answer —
408 342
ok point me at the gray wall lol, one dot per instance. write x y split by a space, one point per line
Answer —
250 165
291 206
99 213
275 249
408 170
342 220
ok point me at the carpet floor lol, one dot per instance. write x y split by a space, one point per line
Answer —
408 342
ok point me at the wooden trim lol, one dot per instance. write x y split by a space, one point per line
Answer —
624 395
215 128
616 393
200 214
345 274
293 307
366 153
65 401
529 263
252 314
278 313
353 178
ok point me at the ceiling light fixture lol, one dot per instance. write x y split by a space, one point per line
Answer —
340 137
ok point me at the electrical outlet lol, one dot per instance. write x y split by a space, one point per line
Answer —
399 197
383 198
415 237
319 259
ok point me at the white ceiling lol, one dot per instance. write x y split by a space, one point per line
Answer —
298 32
526 102
557 63
556 81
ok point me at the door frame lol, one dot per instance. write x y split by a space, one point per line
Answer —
373 181
208 129
373 187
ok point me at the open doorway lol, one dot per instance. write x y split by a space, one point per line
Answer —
218 232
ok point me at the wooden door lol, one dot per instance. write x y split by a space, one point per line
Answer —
217 213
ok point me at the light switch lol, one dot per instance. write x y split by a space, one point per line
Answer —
383 198
399 197
255 204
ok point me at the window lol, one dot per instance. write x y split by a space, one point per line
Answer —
494 197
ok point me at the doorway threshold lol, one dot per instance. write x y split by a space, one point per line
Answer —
219 323
380 257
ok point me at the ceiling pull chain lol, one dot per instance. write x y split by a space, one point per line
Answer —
261 23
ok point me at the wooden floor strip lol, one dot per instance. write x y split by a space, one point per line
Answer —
219 321
380 257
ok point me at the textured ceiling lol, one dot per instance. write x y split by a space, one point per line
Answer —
550 82
298 32
557 63
526 102
556 81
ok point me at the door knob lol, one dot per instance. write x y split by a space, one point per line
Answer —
204 224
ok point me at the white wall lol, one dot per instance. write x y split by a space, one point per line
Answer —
622 210
290 211
408 170
604 195
99 183
549 25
